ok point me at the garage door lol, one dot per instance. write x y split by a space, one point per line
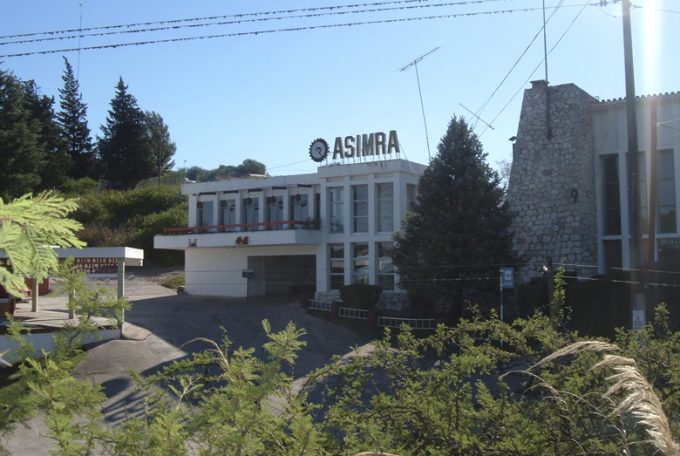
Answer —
283 275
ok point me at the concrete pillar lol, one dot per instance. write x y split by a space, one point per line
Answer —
34 295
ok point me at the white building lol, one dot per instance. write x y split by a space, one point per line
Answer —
266 235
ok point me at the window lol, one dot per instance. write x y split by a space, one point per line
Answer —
612 254
642 188
299 208
335 208
665 193
385 206
251 213
274 212
205 213
411 195
228 214
360 263
336 254
385 265
612 204
360 208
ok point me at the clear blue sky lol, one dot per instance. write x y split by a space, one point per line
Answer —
267 96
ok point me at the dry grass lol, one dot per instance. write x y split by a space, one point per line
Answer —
638 397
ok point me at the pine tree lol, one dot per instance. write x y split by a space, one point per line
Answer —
161 144
20 150
72 119
125 152
458 232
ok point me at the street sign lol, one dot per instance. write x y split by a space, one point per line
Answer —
507 278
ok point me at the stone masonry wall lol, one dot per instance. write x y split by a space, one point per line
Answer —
552 181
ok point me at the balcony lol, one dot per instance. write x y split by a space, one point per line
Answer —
288 232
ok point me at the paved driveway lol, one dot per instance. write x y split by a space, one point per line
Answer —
160 325
179 319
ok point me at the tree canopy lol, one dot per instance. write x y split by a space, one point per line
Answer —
458 231
247 167
32 152
162 147
72 120
125 152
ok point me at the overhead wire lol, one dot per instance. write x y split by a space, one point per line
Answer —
276 30
514 65
238 15
244 21
537 66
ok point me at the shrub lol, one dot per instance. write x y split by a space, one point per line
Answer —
80 187
360 295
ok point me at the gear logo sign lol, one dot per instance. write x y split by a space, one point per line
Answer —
318 150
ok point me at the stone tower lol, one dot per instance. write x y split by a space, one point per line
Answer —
552 181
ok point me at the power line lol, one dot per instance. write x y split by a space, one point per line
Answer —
242 21
279 30
239 15
538 66
514 65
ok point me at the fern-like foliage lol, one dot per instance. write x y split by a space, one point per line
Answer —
30 226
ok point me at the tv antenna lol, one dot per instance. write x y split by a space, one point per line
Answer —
478 118
414 64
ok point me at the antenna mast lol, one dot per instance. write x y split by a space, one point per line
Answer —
414 64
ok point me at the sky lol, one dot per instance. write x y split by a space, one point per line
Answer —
267 96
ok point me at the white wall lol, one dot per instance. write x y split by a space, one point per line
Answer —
217 271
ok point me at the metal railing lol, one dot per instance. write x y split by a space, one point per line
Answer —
353 313
244 227
414 323
319 305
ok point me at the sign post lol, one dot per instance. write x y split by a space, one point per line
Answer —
507 280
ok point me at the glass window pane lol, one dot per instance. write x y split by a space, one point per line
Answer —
612 254
385 207
360 265
667 219
336 253
666 199
610 179
666 193
335 210
360 208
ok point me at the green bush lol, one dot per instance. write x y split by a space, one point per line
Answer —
79 187
152 224
117 207
132 218
360 295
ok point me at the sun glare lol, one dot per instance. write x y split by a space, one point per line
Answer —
651 31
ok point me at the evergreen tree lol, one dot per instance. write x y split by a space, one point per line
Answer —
56 161
124 150
20 149
72 119
163 148
458 232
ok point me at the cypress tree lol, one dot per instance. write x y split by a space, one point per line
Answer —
458 231
125 151
72 120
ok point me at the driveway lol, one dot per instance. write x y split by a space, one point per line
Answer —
159 326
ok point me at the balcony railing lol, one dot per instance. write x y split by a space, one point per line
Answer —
244 227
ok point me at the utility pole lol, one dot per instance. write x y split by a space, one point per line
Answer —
638 304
